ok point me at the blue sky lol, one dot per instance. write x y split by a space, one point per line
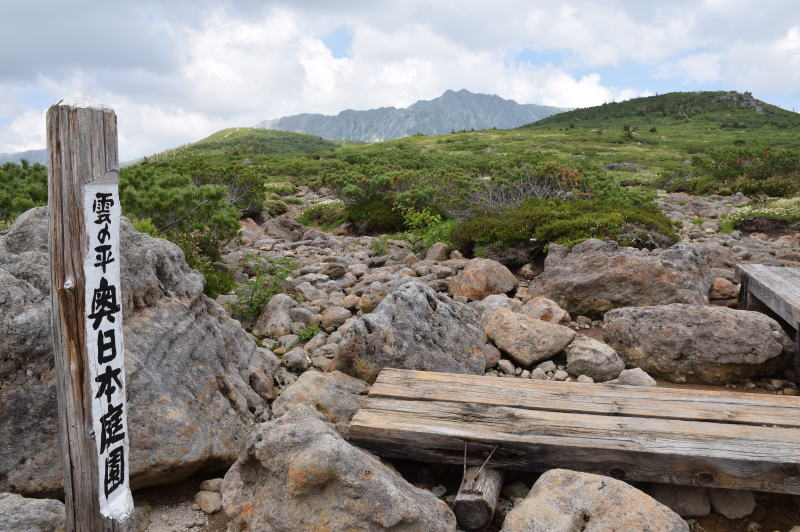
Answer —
177 71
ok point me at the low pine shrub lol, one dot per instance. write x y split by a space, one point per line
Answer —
256 292
565 222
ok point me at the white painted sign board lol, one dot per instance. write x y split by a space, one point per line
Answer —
105 353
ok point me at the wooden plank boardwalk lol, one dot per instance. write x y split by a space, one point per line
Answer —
778 289
679 436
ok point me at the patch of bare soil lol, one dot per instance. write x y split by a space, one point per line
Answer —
172 509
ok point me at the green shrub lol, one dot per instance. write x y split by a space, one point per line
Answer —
281 188
22 187
751 171
255 293
308 333
427 227
374 216
326 215
144 225
274 205
217 282
562 222
380 246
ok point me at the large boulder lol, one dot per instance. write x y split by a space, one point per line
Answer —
563 500
525 339
297 473
696 343
482 277
196 381
596 276
18 514
414 327
282 228
336 395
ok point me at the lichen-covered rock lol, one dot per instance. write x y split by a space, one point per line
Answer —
525 339
297 473
19 514
482 277
697 343
437 252
336 395
595 276
413 328
587 356
196 380
545 309
275 320
563 500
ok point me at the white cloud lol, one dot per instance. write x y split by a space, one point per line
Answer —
26 132
245 62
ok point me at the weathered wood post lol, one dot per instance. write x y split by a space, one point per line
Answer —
477 497
84 211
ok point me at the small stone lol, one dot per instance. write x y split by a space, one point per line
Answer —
506 366
585 378
547 365
492 355
288 341
525 374
439 490
733 504
636 377
515 490
296 360
334 317
560 375
351 302
584 320
437 252
538 374
208 501
212 484
686 501
587 356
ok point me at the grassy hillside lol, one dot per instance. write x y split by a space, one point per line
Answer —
252 141
505 194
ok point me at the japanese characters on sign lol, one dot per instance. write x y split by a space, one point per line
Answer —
105 352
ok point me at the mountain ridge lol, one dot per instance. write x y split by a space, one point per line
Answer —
453 110
32 156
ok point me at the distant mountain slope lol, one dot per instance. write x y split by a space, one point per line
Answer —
32 156
726 109
452 111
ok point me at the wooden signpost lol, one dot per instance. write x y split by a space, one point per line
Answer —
84 214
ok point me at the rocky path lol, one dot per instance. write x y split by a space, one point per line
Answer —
280 399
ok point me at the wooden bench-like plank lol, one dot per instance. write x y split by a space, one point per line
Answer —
426 416
776 287
607 399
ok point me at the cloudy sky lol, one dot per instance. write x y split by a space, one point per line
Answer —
178 70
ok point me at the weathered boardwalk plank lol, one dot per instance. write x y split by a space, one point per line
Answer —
634 433
777 288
